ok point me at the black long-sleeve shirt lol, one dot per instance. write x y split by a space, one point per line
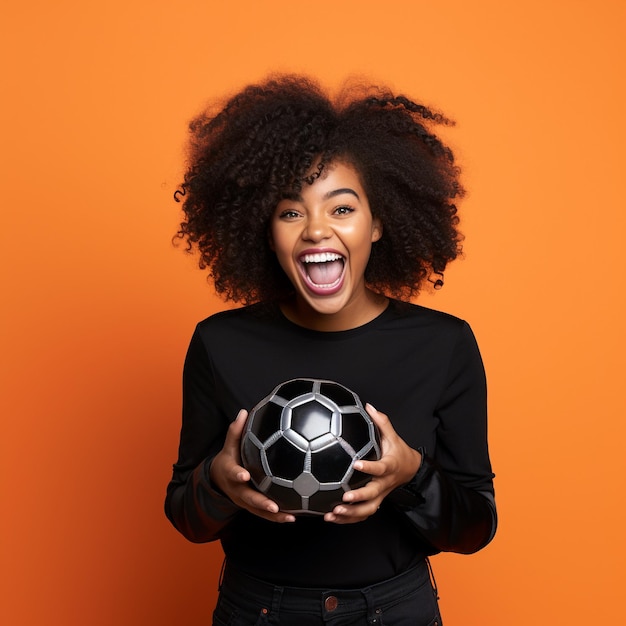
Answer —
420 367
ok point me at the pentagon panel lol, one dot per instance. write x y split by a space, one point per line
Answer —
358 479
356 429
330 464
373 454
294 388
325 500
311 419
285 460
288 498
266 420
338 394
251 458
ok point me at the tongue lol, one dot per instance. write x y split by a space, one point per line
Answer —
324 273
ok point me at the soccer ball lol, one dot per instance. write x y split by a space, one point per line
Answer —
300 444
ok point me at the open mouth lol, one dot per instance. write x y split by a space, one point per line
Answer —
323 271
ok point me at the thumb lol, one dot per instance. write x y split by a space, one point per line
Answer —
236 427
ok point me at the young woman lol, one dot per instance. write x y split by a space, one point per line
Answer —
324 217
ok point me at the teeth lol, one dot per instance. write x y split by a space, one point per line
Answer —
322 257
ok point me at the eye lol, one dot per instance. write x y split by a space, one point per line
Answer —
344 209
288 214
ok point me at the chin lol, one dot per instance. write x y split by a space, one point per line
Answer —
326 305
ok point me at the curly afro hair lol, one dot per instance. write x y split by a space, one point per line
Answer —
262 146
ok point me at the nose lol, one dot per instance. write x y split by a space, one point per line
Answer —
316 229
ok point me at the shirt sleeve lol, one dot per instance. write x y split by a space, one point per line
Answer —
450 501
192 504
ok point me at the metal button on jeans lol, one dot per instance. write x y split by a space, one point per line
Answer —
331 603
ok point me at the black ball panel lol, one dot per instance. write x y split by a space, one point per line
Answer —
330 464
372 454
294 388
358 479
251 459
267 420
338 394
326 500
311 419
355 430
289 499
285 460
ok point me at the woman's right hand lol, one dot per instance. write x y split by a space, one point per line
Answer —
233 480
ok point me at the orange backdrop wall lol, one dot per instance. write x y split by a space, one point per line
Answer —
98 306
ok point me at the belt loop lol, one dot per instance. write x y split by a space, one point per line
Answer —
277 597
373 611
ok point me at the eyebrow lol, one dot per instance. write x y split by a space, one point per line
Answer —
296 197
338 192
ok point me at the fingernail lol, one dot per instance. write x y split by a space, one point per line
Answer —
371 406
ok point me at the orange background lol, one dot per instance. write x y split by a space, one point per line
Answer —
99 307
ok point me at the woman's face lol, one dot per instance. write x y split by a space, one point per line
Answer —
323 238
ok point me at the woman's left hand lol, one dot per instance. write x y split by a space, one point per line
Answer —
397 466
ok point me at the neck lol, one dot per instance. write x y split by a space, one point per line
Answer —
350 316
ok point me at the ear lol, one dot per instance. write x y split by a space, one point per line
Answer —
377 229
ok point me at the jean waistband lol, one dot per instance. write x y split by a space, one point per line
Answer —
243 585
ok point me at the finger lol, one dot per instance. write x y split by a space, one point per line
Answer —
267 509
374 468
371 491
242 475
339 517
382 421
280 518
237 426
256 500
379 418
234 432
259 504
350 514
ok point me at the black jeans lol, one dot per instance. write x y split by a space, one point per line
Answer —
406 600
